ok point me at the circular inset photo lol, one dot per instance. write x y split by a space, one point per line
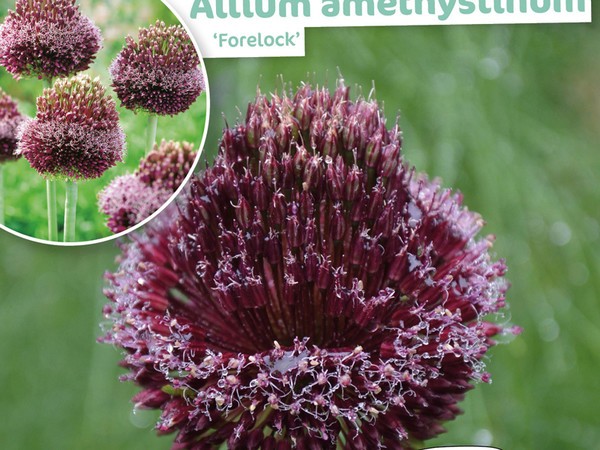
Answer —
103 113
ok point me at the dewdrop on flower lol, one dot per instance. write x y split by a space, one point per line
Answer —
309 291
75 134
159 73
127 201
10 119
47 39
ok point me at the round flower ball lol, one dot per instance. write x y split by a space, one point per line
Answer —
127 201
311 290
47 39
167 165
159 73
75 134
10 119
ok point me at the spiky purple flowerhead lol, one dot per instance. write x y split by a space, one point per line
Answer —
76 132
47 39
167 165
127 201
311 291
159 73
10 119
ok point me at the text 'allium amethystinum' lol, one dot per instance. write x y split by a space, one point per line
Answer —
47 39
310 291
10 119
75 134
159 73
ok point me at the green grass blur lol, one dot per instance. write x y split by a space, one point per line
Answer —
507 114
25 189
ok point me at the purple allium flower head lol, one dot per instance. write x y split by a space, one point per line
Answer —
311 291
10 119
167 165
127 201
76 132
47 39
159 73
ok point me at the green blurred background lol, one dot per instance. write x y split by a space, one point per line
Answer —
25 190
507 114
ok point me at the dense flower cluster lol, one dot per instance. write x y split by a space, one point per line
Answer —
127 201
167 165
76 132
10 119
130 199
47 39
310 291
159 73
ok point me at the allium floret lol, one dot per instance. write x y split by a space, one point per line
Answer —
76 133
47 39
310 291
167 165
127 201
10 119
159 73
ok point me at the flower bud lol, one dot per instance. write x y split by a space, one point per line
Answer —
312 173
76 133
340 307
159 73
10 119
47 39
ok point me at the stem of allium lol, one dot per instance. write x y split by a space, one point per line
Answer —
70 210
1 194
151 132
51 195
51 200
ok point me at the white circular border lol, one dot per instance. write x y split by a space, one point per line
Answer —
177 192
461 447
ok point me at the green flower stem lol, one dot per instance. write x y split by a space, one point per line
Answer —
51 195
1 194
51 199
151 132
70 210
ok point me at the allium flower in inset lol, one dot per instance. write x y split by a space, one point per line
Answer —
311 290
159 73
47 39
167 165
76 133
127 201
10 119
